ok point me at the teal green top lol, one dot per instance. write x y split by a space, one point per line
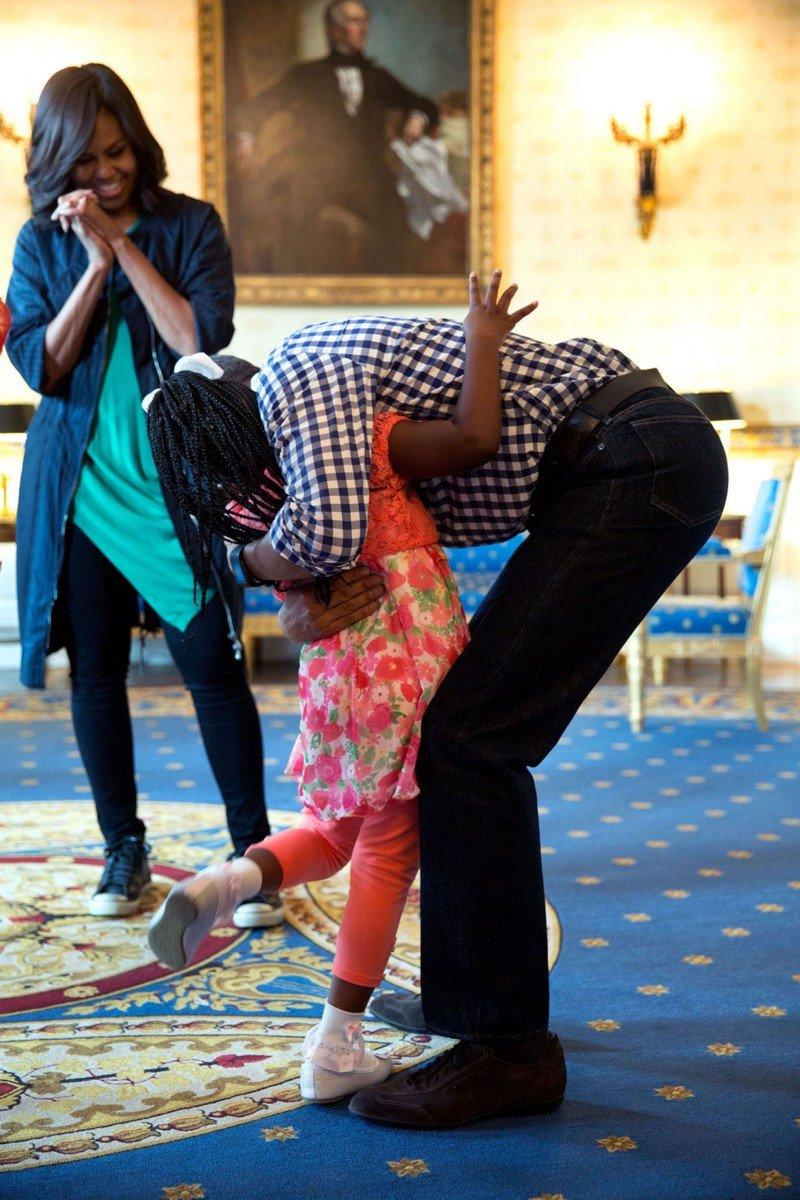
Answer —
119 504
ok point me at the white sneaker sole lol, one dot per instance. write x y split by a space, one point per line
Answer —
324 1087
258 916
108 904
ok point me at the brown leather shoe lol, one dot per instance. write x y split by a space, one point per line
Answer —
467 1083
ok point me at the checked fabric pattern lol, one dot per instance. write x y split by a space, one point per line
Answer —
317 392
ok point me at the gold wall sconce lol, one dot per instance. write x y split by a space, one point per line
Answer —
648 157
9 133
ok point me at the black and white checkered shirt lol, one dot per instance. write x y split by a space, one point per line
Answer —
317 392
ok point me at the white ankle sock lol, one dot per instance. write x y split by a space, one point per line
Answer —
336 1020
337 1043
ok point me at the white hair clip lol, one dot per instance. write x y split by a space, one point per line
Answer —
201 364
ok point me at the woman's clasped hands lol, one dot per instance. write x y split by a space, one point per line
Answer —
97 232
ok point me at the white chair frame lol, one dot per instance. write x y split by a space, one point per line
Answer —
642 648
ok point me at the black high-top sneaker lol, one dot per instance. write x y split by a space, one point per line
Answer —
125 875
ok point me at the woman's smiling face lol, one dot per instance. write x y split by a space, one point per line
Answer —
108 166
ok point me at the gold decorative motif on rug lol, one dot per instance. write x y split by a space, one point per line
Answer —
54 952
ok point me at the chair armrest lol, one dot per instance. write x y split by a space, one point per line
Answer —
716 559
735 554
751 558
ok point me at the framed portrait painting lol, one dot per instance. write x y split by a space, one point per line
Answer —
347 146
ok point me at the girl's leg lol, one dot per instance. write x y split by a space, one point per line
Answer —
383 849
384 863
382 869
384 852
313 850
385 856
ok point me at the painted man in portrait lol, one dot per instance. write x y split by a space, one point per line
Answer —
323 196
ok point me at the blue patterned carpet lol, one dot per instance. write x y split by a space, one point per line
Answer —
672 869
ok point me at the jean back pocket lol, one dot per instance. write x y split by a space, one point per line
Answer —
690 470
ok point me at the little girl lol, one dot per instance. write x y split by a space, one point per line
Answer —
363 692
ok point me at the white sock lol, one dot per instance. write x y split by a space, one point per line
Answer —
328 1046
336 1020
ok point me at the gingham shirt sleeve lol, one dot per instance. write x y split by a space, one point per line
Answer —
317 412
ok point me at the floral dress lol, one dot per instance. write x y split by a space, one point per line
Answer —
363 691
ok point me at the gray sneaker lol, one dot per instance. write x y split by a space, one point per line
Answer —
260 911
403 1010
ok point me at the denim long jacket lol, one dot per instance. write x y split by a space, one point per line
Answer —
185 241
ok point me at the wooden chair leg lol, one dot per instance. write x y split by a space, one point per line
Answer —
755 690
659 670
634 666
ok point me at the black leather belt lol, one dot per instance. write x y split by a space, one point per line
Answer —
566 444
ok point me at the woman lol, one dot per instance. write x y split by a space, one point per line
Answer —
114 278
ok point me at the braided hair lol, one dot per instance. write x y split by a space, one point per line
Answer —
213 457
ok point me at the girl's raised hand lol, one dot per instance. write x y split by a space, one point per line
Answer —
488 317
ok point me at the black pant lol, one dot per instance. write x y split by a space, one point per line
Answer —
99 602
606 539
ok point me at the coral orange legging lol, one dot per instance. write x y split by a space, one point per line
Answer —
383 850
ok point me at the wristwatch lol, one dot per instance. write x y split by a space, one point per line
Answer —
241 572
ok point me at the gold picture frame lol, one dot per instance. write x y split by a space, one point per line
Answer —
255 286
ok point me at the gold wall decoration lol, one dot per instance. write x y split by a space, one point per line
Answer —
9 134
647 148
306 230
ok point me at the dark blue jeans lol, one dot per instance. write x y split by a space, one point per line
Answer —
101 607
606 539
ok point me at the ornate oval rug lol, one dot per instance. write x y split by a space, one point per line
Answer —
112 1050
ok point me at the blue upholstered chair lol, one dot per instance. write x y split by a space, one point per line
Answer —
475 569
726 627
